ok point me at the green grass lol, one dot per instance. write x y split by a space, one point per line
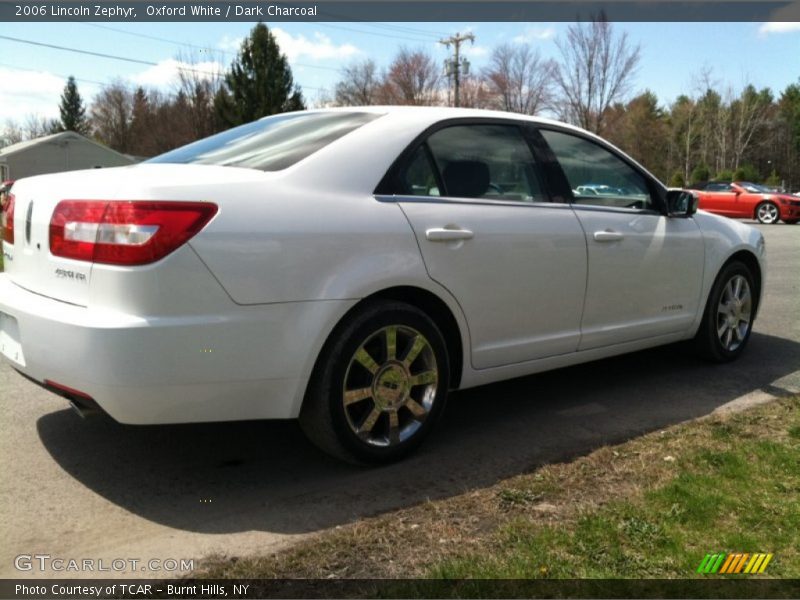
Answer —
744 497
649 508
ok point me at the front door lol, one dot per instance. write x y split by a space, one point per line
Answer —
645 269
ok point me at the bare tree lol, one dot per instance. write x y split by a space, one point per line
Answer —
749 115
520 79
412 78
112 116
597 69
359 85
199 83
475 92
35 126
12 133
684 128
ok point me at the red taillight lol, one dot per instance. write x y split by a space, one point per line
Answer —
7 220
118 232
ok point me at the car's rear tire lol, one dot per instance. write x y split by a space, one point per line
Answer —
767 213
728 317
379 384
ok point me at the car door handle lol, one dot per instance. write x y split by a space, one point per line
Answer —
448 235
607 236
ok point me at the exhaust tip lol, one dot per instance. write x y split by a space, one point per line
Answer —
84 411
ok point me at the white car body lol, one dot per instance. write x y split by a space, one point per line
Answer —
230 324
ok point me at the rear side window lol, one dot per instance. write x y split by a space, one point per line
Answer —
596 175
270 144
419 178
485 161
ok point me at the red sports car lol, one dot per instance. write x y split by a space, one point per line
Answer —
746 200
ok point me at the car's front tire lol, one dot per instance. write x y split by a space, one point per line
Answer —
728 318
767 213
379 385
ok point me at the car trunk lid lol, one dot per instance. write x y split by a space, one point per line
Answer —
29 261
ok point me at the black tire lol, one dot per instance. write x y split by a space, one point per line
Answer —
707 341
772 209
330 425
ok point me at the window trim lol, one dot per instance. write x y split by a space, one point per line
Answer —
656 188
388 189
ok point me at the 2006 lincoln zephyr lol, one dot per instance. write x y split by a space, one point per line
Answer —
350 266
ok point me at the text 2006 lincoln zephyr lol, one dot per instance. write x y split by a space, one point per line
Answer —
349 267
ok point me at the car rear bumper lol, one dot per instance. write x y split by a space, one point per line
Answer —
241 363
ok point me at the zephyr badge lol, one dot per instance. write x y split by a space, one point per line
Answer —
28 223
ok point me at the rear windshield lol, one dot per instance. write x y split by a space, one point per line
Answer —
270 144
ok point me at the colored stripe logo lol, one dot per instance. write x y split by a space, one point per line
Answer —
737 562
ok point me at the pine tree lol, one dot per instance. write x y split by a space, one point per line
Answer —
259 82
73 112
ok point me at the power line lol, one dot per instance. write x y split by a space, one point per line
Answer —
379 34
120 58
402 29
201 48
78 79
102 55
158 39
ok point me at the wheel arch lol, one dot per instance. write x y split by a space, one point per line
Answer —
426 301
438 310
751 262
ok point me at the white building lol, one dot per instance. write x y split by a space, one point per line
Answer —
66 151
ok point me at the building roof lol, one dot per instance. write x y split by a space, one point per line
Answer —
65 136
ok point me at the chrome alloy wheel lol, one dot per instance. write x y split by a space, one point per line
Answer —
768 213
734 313
390 385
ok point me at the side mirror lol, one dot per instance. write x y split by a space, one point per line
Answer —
681 203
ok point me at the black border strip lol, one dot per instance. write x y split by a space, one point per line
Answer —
416 11
712 587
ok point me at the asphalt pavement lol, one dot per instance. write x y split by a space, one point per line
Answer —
94 489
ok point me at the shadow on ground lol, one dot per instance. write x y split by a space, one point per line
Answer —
222 478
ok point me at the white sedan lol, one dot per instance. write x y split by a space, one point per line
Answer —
349 267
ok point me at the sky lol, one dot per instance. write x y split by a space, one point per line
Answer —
672 54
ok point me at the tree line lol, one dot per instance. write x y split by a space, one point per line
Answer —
712 132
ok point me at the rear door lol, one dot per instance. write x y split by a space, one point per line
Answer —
645 269
488 232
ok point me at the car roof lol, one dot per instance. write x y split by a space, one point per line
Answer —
438 113
358 160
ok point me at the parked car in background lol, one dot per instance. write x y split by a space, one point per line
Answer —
595 189
746 200
350 267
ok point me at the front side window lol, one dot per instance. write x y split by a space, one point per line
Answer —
597 176
476 161
754 187
269 144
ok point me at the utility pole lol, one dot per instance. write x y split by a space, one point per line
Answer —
456 66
